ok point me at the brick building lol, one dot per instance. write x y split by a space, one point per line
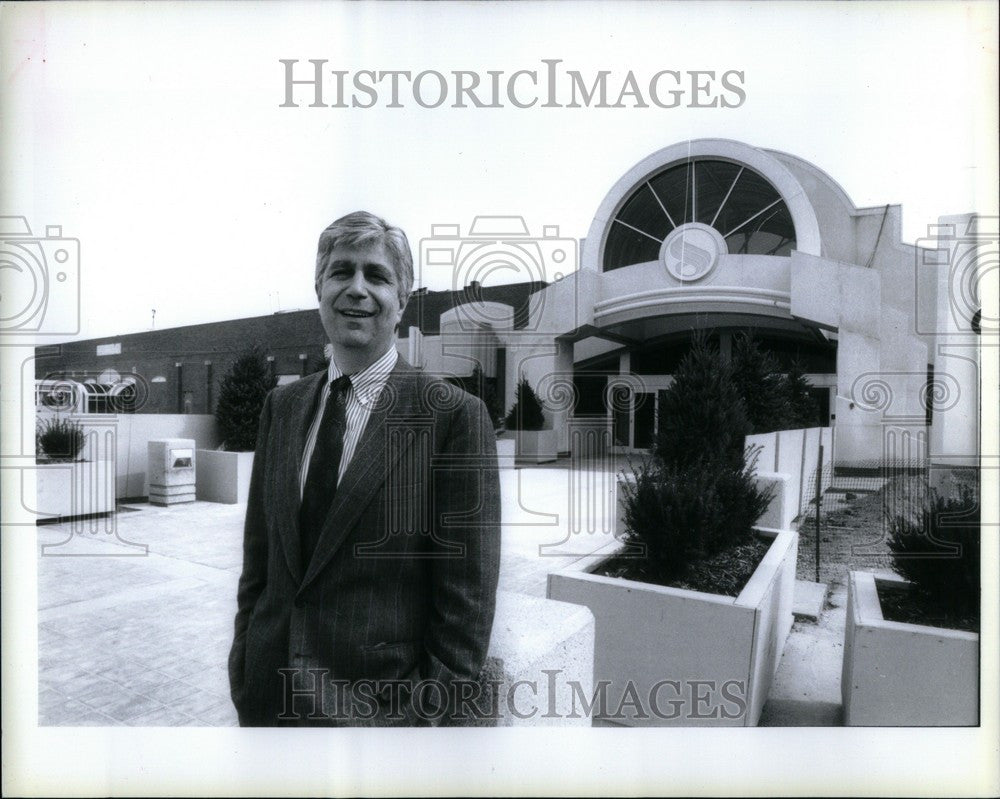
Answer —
180 369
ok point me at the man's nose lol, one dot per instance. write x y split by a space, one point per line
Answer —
358 286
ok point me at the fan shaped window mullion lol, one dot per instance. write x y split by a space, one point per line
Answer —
748 212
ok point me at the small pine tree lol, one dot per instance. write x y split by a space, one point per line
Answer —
680 514
699 495
804 410
938 551
764 389
527 411
701 414
241 400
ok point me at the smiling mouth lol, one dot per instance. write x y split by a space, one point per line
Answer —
356 314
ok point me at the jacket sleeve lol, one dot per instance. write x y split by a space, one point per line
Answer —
254 576
465 547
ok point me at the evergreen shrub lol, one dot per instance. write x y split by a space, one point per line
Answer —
697 495
937 549
527 410
241 399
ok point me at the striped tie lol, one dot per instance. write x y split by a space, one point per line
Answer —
324 467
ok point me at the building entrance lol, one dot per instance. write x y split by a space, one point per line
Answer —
635 418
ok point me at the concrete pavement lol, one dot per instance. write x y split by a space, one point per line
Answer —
134 626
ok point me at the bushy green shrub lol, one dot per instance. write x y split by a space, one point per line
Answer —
679 514
59 439
701 414
760 383
526 413
241 400
937 550
698 494
803 407
773 401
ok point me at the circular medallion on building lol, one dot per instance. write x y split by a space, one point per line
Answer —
691 251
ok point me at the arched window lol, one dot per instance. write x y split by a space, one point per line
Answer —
747 211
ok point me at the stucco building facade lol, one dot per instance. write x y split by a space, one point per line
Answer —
712 235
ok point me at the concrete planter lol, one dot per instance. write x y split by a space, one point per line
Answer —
223 476
536 446
672 657
782 510
74 489
897 674
505 452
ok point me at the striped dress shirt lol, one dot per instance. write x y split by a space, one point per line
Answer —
366 386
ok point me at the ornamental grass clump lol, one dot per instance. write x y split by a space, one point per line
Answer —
60 439
697 495
937 549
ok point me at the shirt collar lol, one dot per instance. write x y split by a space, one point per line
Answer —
369 382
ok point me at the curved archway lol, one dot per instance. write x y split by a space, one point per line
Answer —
749 197
734 200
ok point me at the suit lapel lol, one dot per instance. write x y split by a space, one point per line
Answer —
297 416
369 467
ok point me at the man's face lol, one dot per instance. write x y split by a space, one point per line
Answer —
359 303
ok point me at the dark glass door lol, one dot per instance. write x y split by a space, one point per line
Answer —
644 410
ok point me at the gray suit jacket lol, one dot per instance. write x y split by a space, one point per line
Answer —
402 584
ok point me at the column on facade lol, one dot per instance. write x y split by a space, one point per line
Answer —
959 267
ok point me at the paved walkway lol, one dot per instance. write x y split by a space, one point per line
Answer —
135 624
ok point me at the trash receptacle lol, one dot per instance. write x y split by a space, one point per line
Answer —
171 468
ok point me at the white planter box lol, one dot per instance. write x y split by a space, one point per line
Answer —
783 509
899 674
536 446
223 476
505 453
80 488
706 659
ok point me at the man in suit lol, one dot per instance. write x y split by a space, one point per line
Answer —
372 540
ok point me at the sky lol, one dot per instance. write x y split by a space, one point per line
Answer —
153 133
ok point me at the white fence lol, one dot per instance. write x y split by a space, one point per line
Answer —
794 454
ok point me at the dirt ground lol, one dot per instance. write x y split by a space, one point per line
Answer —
852 534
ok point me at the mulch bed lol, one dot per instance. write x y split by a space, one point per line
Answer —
724 573
911 607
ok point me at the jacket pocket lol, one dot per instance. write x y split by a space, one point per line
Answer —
390 660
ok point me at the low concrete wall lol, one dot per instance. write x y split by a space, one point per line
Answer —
505 451
906 675
541 654
223 476
672 657
783 509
